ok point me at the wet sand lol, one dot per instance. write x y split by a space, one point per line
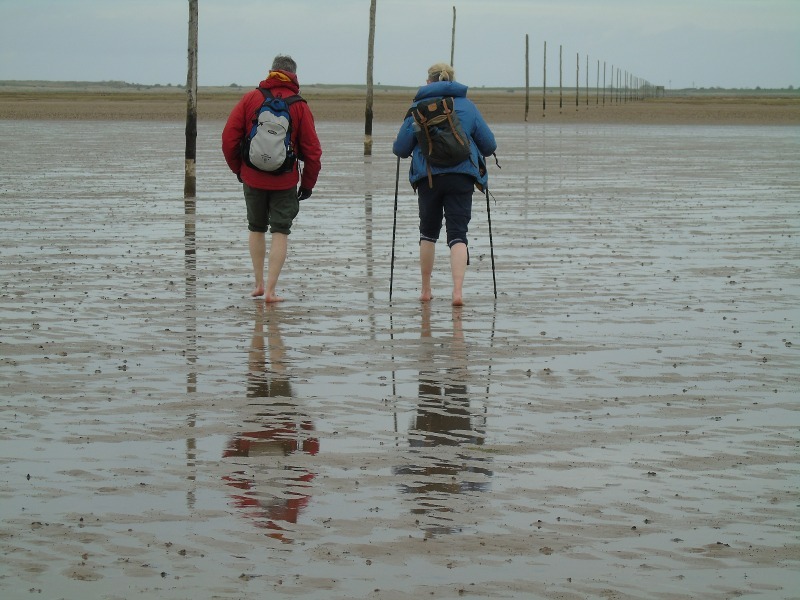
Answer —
621 422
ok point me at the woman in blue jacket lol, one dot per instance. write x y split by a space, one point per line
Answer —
446 191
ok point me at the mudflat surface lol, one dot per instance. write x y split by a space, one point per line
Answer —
620 422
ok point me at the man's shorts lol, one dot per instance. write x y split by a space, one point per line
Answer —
451 197
275 209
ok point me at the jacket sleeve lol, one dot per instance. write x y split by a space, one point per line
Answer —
310 149
483 136
232 135
406 139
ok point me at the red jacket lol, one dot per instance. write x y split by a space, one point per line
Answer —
304 137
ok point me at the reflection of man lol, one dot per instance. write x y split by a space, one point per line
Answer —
276 428
267 380
443 419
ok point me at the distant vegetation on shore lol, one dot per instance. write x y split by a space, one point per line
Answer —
123 86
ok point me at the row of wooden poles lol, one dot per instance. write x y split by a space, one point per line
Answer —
621 86
628 87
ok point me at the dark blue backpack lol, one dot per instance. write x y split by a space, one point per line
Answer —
268 145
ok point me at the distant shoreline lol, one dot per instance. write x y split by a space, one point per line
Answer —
123 86
106 101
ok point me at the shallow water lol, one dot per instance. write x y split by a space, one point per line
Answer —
621 421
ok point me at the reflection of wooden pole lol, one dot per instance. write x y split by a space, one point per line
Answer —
370 59
190 167
544 80
527 79
453 39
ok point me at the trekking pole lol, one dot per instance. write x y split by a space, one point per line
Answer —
491 244
394 227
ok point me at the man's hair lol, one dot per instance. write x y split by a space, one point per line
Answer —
441 72
284 63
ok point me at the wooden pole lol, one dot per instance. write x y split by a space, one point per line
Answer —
587 80
597 85
604 83
370 93
453 39
577 78
190 166
527 79
625 86
560 77
611 86
544 79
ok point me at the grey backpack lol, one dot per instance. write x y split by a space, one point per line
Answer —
268 145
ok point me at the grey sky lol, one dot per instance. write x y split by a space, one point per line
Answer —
705 43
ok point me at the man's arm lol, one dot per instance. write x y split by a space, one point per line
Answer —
310 149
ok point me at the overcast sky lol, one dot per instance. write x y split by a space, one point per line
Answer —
675 43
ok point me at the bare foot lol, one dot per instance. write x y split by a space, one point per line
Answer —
268 298
258 291
458 300
426 296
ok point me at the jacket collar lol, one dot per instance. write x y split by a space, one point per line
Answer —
439 89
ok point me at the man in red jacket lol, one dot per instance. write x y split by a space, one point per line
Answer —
273 200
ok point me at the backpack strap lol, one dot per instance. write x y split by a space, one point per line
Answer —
268 95
449 114
421 120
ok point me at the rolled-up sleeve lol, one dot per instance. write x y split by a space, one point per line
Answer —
406 140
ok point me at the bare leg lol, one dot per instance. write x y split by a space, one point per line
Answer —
427 252
278 249
458 267
258 251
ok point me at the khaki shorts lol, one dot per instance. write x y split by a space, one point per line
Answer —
275 209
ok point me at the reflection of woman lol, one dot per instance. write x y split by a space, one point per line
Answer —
444 403
443 419
276 428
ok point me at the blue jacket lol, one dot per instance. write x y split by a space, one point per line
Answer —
483 142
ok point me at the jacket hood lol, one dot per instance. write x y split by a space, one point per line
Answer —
438 89
284 79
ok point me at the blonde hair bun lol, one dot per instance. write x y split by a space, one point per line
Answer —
441 72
